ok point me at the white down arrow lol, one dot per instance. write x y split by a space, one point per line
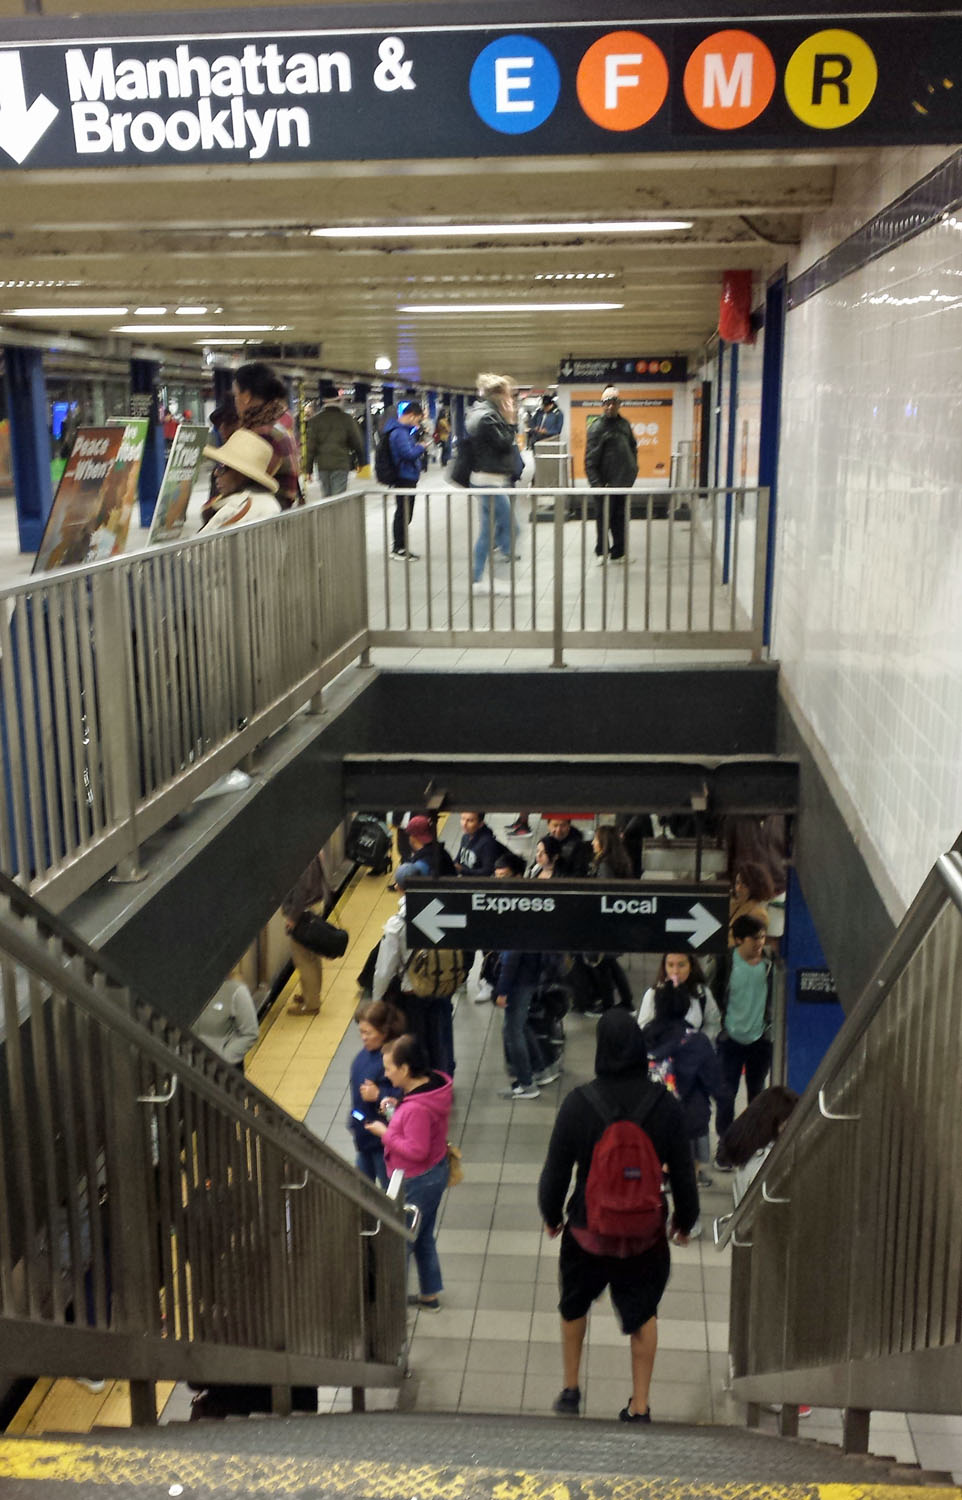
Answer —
20 127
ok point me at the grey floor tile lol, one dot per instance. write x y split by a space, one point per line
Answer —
462 1294
462 1215
690 1366
607 1361
429 1355
511 1327
515 1242
686 1278
500 1268
506 1296
518 1171
540 1392
545 1327
717 1279
944 1426
461 1241
545 1358
495 1392
438 1392
461 1266
676 1402
604 1398
679 1333
488 1356
716 1307
449 1323
682 1304
517 1216
546 1296
936 1451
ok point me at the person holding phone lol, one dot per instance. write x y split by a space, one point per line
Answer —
378 1023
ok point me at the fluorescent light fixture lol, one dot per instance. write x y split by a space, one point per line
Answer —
64 312
382 362
443 231
205 342
213 328
150 312
190 312
501 307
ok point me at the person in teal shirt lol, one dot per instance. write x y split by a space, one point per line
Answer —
744 990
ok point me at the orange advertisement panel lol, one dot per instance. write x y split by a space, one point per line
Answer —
648 410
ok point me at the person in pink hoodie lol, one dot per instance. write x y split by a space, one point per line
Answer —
416 1141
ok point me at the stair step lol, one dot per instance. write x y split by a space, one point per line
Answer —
440 1457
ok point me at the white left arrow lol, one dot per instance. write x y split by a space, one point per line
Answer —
434 921
699 923
20 127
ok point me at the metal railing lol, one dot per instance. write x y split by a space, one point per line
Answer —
847 1249
159 1216
128 687
692 576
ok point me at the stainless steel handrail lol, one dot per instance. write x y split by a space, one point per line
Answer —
850 1294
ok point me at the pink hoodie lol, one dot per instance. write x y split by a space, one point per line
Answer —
417 1137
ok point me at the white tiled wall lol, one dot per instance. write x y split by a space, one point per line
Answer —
868 605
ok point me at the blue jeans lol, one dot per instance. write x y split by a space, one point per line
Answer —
503 530
370 1161
426 1191
522 1052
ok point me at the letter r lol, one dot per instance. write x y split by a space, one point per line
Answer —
510 75
615 79
838 78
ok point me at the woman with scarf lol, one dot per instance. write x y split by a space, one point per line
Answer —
260 397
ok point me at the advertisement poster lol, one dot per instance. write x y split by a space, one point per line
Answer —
91 511
649 412
183 461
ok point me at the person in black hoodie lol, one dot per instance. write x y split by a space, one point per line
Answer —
637 1275
692 1062
479 849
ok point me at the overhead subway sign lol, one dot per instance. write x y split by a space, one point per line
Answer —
468 90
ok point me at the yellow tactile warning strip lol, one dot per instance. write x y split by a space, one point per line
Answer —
197 1472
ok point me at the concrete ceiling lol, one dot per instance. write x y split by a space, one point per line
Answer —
237 239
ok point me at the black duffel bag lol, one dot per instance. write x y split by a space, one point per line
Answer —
321 936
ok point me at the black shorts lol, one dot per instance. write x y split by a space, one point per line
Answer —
636 1281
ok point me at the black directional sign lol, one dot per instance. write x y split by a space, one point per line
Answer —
623 916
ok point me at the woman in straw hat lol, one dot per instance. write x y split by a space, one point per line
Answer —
244 490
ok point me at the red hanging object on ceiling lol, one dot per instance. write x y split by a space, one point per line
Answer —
735 311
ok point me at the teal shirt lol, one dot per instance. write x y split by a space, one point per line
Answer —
747 995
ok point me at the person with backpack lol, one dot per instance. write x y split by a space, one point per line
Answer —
616 1133
398 461
679 1052
421 983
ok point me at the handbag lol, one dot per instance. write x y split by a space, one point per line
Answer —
321 936
455 1169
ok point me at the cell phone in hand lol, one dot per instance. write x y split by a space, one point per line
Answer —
359 1115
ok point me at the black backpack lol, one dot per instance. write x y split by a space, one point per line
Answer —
369 843
385 468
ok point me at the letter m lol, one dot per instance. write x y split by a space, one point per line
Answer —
724 86
95 82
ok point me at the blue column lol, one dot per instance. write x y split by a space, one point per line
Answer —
223 384
810 1026
29 443
361 393
770 423
144 375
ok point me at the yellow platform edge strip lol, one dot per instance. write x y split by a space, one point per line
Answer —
84 1462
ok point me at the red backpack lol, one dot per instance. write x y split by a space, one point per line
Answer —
623 1193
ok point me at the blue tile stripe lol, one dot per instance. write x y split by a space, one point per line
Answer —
913 213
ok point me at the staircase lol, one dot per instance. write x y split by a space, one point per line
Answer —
397 1457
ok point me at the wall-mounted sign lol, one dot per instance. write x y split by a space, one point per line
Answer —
267 94
627 369
815 987
594 917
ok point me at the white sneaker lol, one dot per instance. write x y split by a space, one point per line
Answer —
520 1092
91 1385
549 1075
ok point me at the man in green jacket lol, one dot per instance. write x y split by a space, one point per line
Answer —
611 461
334 444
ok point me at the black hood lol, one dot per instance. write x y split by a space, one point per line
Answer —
620 1046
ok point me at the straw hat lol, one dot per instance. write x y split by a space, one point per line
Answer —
248 454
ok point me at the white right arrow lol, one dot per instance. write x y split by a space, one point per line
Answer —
434 923
699 923
20 127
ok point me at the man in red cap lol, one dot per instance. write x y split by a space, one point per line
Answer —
428 857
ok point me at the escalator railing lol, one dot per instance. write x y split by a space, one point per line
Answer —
159 1216
847 1249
